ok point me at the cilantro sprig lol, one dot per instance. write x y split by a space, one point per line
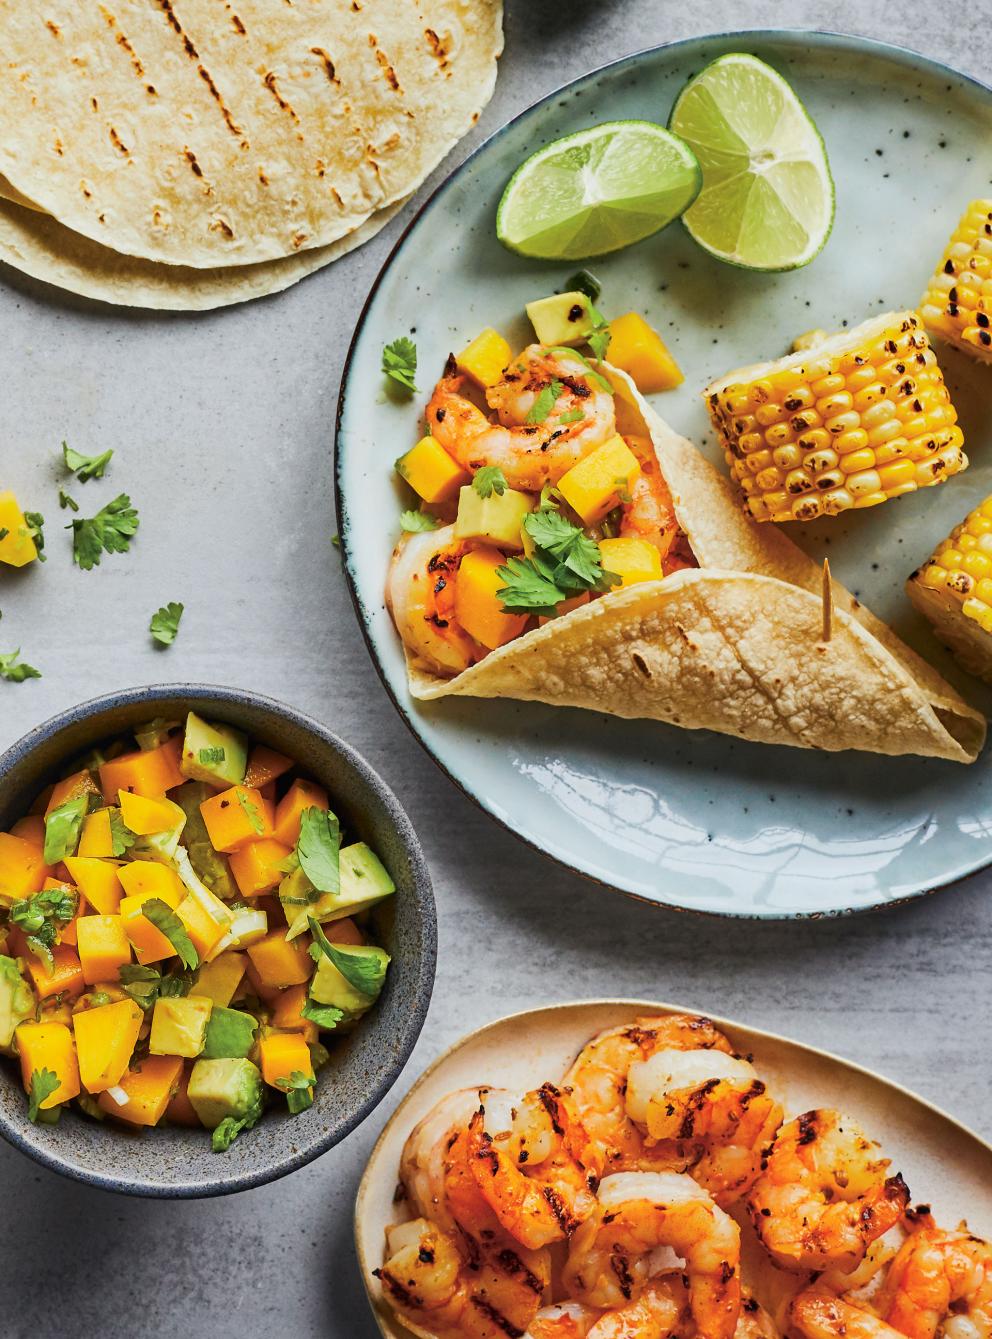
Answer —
165 919
399 362
15 670
62 827
43 1083
85 467
298 1088
491 479
326 1016
109 531
145 984
319 849
164 622
414 522
565 563
230 1127
121 836
544 402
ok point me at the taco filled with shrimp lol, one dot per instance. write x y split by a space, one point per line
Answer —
572 549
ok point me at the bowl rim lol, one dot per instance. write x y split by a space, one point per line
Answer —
299 1154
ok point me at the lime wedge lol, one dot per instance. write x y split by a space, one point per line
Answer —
767 201
597 191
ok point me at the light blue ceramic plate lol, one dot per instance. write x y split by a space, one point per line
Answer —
697 820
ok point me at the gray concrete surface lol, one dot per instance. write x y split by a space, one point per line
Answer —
222 427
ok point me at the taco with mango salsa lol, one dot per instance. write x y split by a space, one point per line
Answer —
572 549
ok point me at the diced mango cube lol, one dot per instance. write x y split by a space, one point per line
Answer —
103 947
147 816
71 788
597 482
150 773
218 980
632 560
256 867
180 1110
204 930
282 1054
431 472
98 880
485 358
150 1087
94 839
287 1013
280 963
48 1046
150 944
149 878
236 817
17 548
477 605
105 1041
65 978
31 828
639 351
265 765
179 1025
289 811
22 868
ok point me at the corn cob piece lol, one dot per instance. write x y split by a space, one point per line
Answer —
957 305
953 589
860 418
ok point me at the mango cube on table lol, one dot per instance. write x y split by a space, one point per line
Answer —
17 548
638 350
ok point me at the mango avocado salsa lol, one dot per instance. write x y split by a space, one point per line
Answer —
181 920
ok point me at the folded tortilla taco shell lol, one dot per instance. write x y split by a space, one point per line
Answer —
735 645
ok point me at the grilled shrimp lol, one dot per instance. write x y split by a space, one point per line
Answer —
443 1291
610 1255
667 1094
530 454
823 1196
754 1321
939 1281
420 595
563 1320
538 1171
820 1315
662 1309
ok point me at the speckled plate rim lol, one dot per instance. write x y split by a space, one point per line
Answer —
414 1022
524 1022
663 897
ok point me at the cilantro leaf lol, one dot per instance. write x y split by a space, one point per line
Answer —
66 501
298 1088
365 972
490 479
565 563
251 812
571 546
109 531
415 521
319 849
544 402
43 1084
210 757
14 671
571 416
165 622
85 467
140 983
399 361
121 836
230 1127
62 827
530 586
591 375
40 915
324 1015
4 531
34 522
165 919
583 282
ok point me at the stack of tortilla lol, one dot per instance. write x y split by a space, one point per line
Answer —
194 153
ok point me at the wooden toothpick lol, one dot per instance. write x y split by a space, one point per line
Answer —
828 603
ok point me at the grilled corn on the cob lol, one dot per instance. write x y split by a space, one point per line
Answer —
953 589
958 302
861 417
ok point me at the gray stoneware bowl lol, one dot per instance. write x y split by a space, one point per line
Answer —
173 1162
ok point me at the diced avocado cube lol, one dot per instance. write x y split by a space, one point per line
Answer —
210 865
497 518
214 753
17 1002
338 984
179 1025
230 1034
364 882
561 319
221 1088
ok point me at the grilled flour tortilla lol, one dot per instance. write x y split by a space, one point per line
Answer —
735 645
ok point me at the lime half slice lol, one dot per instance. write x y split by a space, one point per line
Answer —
597 191
767 201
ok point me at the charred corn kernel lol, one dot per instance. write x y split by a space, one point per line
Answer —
957 305
632 560
147 816
596 483
257 866
149 1088
953 589
431 472
22 868
150 774
98 881
485 358
105 1040
103 947
95 839
17 548
49 1046
808 340
219 980
289 811
282 1054
236 817
859 403
639 351
478 607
